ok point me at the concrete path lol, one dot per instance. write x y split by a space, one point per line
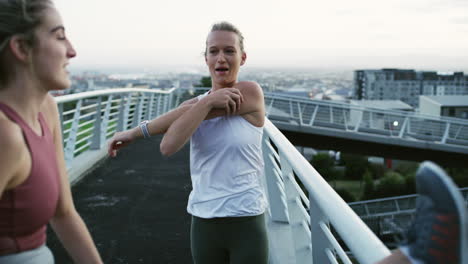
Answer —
135 207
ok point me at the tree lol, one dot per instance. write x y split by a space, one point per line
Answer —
406 167
204 82
323 163
346 195
355 165
392 184
369 186
459 176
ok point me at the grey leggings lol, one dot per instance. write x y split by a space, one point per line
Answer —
40 255
234 240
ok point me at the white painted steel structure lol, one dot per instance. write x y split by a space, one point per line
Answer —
299 197
446 133
90 118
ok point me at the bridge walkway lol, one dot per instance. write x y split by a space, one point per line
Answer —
135 207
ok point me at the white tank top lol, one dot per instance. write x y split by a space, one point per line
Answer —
226 164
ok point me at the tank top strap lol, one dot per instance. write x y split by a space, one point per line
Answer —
15 117
11 114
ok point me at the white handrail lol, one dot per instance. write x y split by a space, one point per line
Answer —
364 244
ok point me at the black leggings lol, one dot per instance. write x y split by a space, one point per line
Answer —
234 240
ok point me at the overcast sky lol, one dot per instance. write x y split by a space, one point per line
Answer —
431 34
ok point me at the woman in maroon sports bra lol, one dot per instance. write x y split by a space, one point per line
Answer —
34 188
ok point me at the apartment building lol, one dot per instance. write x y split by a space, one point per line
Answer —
407 85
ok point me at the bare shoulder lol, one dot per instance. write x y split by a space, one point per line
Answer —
249 88
11 136
12 142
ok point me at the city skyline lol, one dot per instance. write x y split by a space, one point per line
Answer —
421 34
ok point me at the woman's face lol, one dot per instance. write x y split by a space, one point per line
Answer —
224 58
51 52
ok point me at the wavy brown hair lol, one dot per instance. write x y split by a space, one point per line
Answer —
18 17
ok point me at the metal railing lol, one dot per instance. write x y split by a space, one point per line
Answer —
408 127
352 118
391 205
299 196
383 215
89 119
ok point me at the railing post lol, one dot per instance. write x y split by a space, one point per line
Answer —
409 125
300 113
274 184
138 111
358 123
320 242
123 112
403 127
96 140
270 106
312 118
105 120
70 146
446 133
298 223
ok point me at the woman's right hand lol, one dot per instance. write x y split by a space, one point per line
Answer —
228 99
120 140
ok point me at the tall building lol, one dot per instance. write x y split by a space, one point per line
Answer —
407 85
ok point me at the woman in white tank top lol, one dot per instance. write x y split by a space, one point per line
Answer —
227 201
225 127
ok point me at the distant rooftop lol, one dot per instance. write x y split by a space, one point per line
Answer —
449 100
383 104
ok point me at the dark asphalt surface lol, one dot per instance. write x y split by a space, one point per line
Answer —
135 207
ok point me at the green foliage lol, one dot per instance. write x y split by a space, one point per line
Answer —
346 195
392 184
377 170
459 176
204 82
356 166
369 187
406 167
324 164
410 180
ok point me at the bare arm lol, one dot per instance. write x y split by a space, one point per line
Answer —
67 223
156 126
251 108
